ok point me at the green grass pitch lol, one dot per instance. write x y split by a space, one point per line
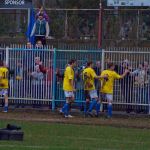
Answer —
48 136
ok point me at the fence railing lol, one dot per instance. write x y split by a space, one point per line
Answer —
64 23
13 22
126 25
119 25
36 75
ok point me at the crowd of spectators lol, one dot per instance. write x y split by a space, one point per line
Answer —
135 87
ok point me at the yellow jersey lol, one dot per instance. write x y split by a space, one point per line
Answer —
3 78
89 78
108 84
68 75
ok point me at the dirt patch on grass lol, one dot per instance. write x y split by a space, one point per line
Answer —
134 121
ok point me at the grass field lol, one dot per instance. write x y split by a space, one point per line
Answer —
52 136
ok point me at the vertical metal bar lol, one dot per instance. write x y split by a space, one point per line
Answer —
138 25
100 26
7 56
102 68
54 79
29 10
66 25
103 60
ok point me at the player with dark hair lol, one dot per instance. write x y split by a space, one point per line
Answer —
107 85
89 77
4 84
68 87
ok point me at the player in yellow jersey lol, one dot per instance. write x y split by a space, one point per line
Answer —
89 77
107 85
68 87
4 84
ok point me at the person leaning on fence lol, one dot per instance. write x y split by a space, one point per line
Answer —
107 86
68 87
4 84
89 77
40 29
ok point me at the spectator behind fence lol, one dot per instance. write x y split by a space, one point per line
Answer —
37 61
124 30
19 84
49 78
127 84
39 45
40 49
141 84
40 64
28 45
19 71
58 82
40 29
37 77
49 71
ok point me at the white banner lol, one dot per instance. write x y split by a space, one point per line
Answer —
128 2
15 3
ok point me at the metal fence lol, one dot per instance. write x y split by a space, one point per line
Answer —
82 57
126 24
64 23
73 23
31 73
82 24
13 22
36 76
134 90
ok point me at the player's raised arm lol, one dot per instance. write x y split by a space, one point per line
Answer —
124 74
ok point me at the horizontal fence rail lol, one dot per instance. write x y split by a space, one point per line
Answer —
36 75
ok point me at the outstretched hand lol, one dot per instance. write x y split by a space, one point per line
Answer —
127 71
